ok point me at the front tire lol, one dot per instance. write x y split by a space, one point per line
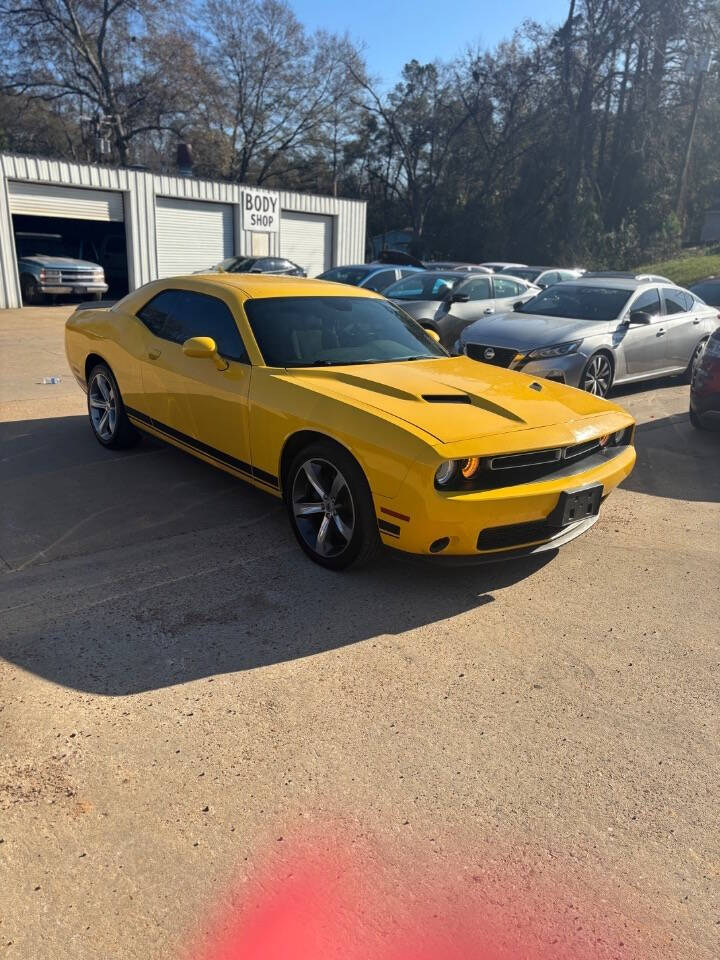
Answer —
330 506
597 376
106 411
30 290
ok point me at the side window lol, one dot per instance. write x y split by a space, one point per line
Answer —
689 300
554 276
157 312
380 280
177 315
406 273
477 289
674 301
441 287
649 302
565 275
507 288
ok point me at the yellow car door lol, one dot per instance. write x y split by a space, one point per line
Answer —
198 401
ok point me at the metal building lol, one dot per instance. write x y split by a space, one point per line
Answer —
142 226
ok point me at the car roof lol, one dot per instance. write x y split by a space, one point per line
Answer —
260 285
706 280
614 283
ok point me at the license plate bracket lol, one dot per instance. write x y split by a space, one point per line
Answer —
575 505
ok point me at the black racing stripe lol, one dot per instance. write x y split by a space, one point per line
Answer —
264 477
391 529
239 465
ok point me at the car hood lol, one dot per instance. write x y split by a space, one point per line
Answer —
418 309
453 398
525 331
60 263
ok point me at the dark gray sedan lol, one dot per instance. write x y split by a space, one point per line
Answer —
593 333
421 293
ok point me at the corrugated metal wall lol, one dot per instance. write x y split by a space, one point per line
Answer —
139 192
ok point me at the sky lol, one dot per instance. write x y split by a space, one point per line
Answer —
395 31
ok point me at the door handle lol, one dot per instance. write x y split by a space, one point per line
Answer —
660 333
488 310
154 354
695 322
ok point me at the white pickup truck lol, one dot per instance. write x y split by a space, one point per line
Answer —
46 270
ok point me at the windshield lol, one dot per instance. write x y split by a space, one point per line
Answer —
422 286
523 272
351 275
332 331
237 264
578 302
709 292
41 246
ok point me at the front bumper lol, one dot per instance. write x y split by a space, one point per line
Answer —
61 288
568 369
417 517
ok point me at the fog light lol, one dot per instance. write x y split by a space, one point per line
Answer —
437 545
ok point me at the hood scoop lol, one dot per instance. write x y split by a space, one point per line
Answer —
446 398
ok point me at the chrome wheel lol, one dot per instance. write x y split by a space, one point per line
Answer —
598 376
103 406
323 507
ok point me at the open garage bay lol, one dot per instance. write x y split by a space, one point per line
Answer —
182 691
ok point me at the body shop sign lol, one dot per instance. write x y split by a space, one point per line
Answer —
260 210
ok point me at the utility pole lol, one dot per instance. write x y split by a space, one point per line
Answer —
697 67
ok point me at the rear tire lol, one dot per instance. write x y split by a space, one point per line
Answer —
697 421
106 411
694 361
330 506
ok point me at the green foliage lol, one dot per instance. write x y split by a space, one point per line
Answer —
693 265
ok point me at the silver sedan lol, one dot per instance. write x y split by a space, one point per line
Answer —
595 333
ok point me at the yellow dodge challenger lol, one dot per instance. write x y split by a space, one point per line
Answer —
333 399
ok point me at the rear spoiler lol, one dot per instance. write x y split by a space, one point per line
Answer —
399 257
95 305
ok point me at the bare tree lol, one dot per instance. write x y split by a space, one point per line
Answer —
114 59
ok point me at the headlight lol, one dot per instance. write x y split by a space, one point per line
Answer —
558 350
448 471
445 473
50 274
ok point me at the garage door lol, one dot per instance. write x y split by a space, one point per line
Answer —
191 235
306 239
77 203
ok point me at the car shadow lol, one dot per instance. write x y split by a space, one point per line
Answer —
675 460
132 571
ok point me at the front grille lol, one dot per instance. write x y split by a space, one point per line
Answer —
515 535
535 458
502 356
71 277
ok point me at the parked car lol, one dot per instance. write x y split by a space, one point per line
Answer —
276 265
371 276
453 265
497 265
705 387
592 333
420 293
624 275
476 297
708 290
353 416
543 276
46 269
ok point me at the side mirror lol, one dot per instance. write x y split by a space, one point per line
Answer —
204 348
432 333
460 298
517 305
640 317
